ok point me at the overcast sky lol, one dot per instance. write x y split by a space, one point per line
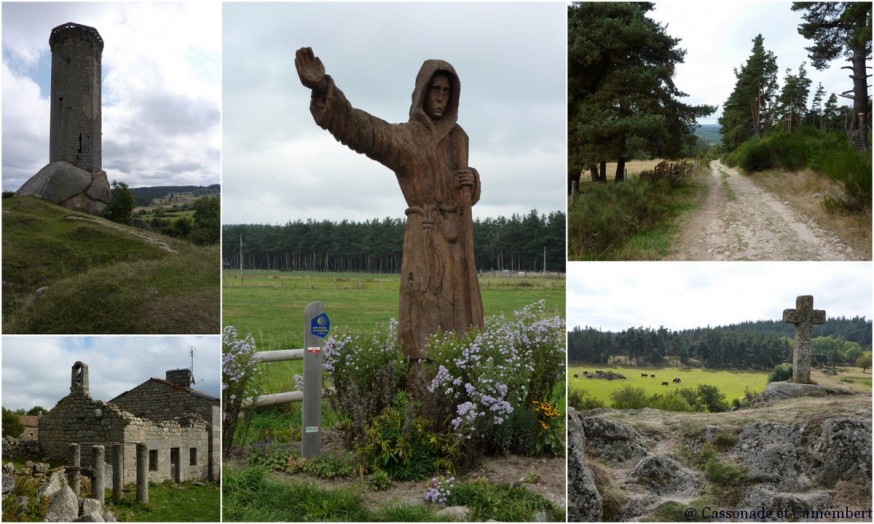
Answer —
718 37
36 369
278 165
161 89
618 295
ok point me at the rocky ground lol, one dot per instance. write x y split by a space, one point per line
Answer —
800 455
742 220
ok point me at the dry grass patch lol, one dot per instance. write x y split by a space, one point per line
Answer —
807 191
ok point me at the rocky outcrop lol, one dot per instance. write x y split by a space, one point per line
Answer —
783 390
67 185
665 476
584 500
798 457
805 465
613 443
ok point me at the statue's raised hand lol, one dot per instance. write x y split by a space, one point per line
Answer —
310 70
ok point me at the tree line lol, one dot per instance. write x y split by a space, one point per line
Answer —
759 105
749 345
143 196
518 243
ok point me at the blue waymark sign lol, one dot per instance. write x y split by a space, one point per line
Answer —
320 325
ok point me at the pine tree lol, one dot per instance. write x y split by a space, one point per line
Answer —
748 112
622 101
792 102
841 28
815 113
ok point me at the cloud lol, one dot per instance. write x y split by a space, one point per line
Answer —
36 369
161 90
279 165
618 296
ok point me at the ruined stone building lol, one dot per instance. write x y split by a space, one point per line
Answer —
180 426
31 425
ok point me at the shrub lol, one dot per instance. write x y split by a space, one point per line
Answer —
671 401
483 377
780 373
379 480
400 443
725 475
629 397
121 204
582 400
366 370
712 398
241 380
12 426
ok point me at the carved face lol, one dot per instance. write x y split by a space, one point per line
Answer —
438 96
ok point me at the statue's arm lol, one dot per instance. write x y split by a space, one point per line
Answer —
357 129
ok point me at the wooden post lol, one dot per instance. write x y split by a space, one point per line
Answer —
311 432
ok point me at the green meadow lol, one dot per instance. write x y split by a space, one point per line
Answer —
270 305
731 382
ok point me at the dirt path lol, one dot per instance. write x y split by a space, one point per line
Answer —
741 221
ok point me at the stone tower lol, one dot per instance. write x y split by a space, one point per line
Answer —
74 176
76 113
79 379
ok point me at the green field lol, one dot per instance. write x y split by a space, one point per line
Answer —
270 304
730 382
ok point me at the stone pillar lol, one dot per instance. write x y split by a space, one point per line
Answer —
98 467
75 468
117 472
804 317
142 473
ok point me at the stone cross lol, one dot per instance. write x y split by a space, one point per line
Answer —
803 316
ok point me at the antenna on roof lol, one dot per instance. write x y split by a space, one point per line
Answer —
191 354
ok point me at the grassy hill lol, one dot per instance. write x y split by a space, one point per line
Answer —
69 272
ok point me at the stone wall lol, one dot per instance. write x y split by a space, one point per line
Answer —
79 419
168 442
76 127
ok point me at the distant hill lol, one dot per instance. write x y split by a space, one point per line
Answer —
143 196
709 133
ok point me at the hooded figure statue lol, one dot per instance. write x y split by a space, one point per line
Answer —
439 289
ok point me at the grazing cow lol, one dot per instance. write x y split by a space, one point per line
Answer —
620 376
664 383
676 380
644 375
576 376
590 376
585 372
652 376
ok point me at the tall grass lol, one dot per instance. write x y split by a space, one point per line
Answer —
629 220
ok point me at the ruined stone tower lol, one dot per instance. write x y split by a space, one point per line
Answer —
79 379
76 117
74 176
